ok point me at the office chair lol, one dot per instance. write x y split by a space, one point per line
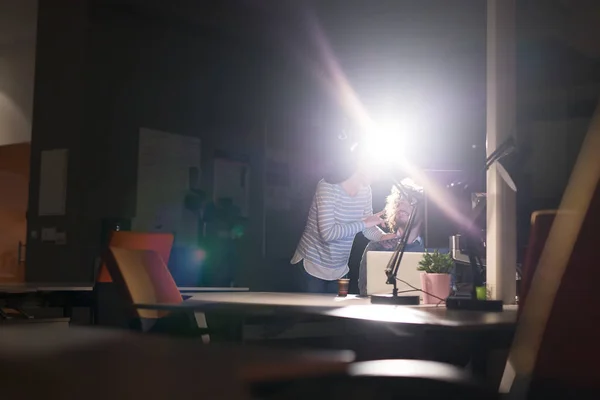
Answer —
108 304
541 223
142 277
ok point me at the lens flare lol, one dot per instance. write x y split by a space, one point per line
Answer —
385 144
199 255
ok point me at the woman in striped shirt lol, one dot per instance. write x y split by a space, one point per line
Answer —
341 208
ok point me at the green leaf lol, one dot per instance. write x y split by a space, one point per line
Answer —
436 263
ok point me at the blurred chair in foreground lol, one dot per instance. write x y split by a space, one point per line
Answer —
161 243
100 364
541 223
109 306
556 349
142 277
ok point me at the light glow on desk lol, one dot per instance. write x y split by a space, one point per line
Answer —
425 315
386 313
278 299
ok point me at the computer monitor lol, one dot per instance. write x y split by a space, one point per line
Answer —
446 204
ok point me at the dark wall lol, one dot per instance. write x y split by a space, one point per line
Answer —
103 71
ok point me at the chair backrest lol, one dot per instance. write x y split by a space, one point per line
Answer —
570 349
566 355
541 222
555 350
143 277
161 243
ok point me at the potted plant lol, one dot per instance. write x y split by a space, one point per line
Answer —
435 276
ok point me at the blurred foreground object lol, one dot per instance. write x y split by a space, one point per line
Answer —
103 364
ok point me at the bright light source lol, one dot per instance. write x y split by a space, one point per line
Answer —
387 127
385 142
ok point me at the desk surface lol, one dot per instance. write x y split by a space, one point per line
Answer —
205 289
439 317
33 287
261 300
351 307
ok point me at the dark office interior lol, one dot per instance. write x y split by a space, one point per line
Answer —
281 199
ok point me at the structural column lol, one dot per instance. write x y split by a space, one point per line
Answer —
59 123
501 109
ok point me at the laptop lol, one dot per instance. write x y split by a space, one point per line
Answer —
377 261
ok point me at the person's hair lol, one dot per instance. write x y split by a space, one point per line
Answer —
393 209
342 163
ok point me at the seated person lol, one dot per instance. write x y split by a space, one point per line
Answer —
397 213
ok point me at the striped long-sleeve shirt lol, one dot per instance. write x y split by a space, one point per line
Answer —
334 219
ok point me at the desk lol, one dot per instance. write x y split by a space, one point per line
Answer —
350 307
33 287
244 313
63 295
428 316
36 323
482 331
204 289
69 295
42 287
260 302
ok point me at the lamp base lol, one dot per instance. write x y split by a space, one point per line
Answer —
460 303
395 300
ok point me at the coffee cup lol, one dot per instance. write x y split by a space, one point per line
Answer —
343 287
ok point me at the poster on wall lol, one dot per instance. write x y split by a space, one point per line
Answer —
53 182
165 162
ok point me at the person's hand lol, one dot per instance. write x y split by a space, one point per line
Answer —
390 236
374 220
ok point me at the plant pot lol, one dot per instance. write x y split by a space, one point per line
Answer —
436 284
